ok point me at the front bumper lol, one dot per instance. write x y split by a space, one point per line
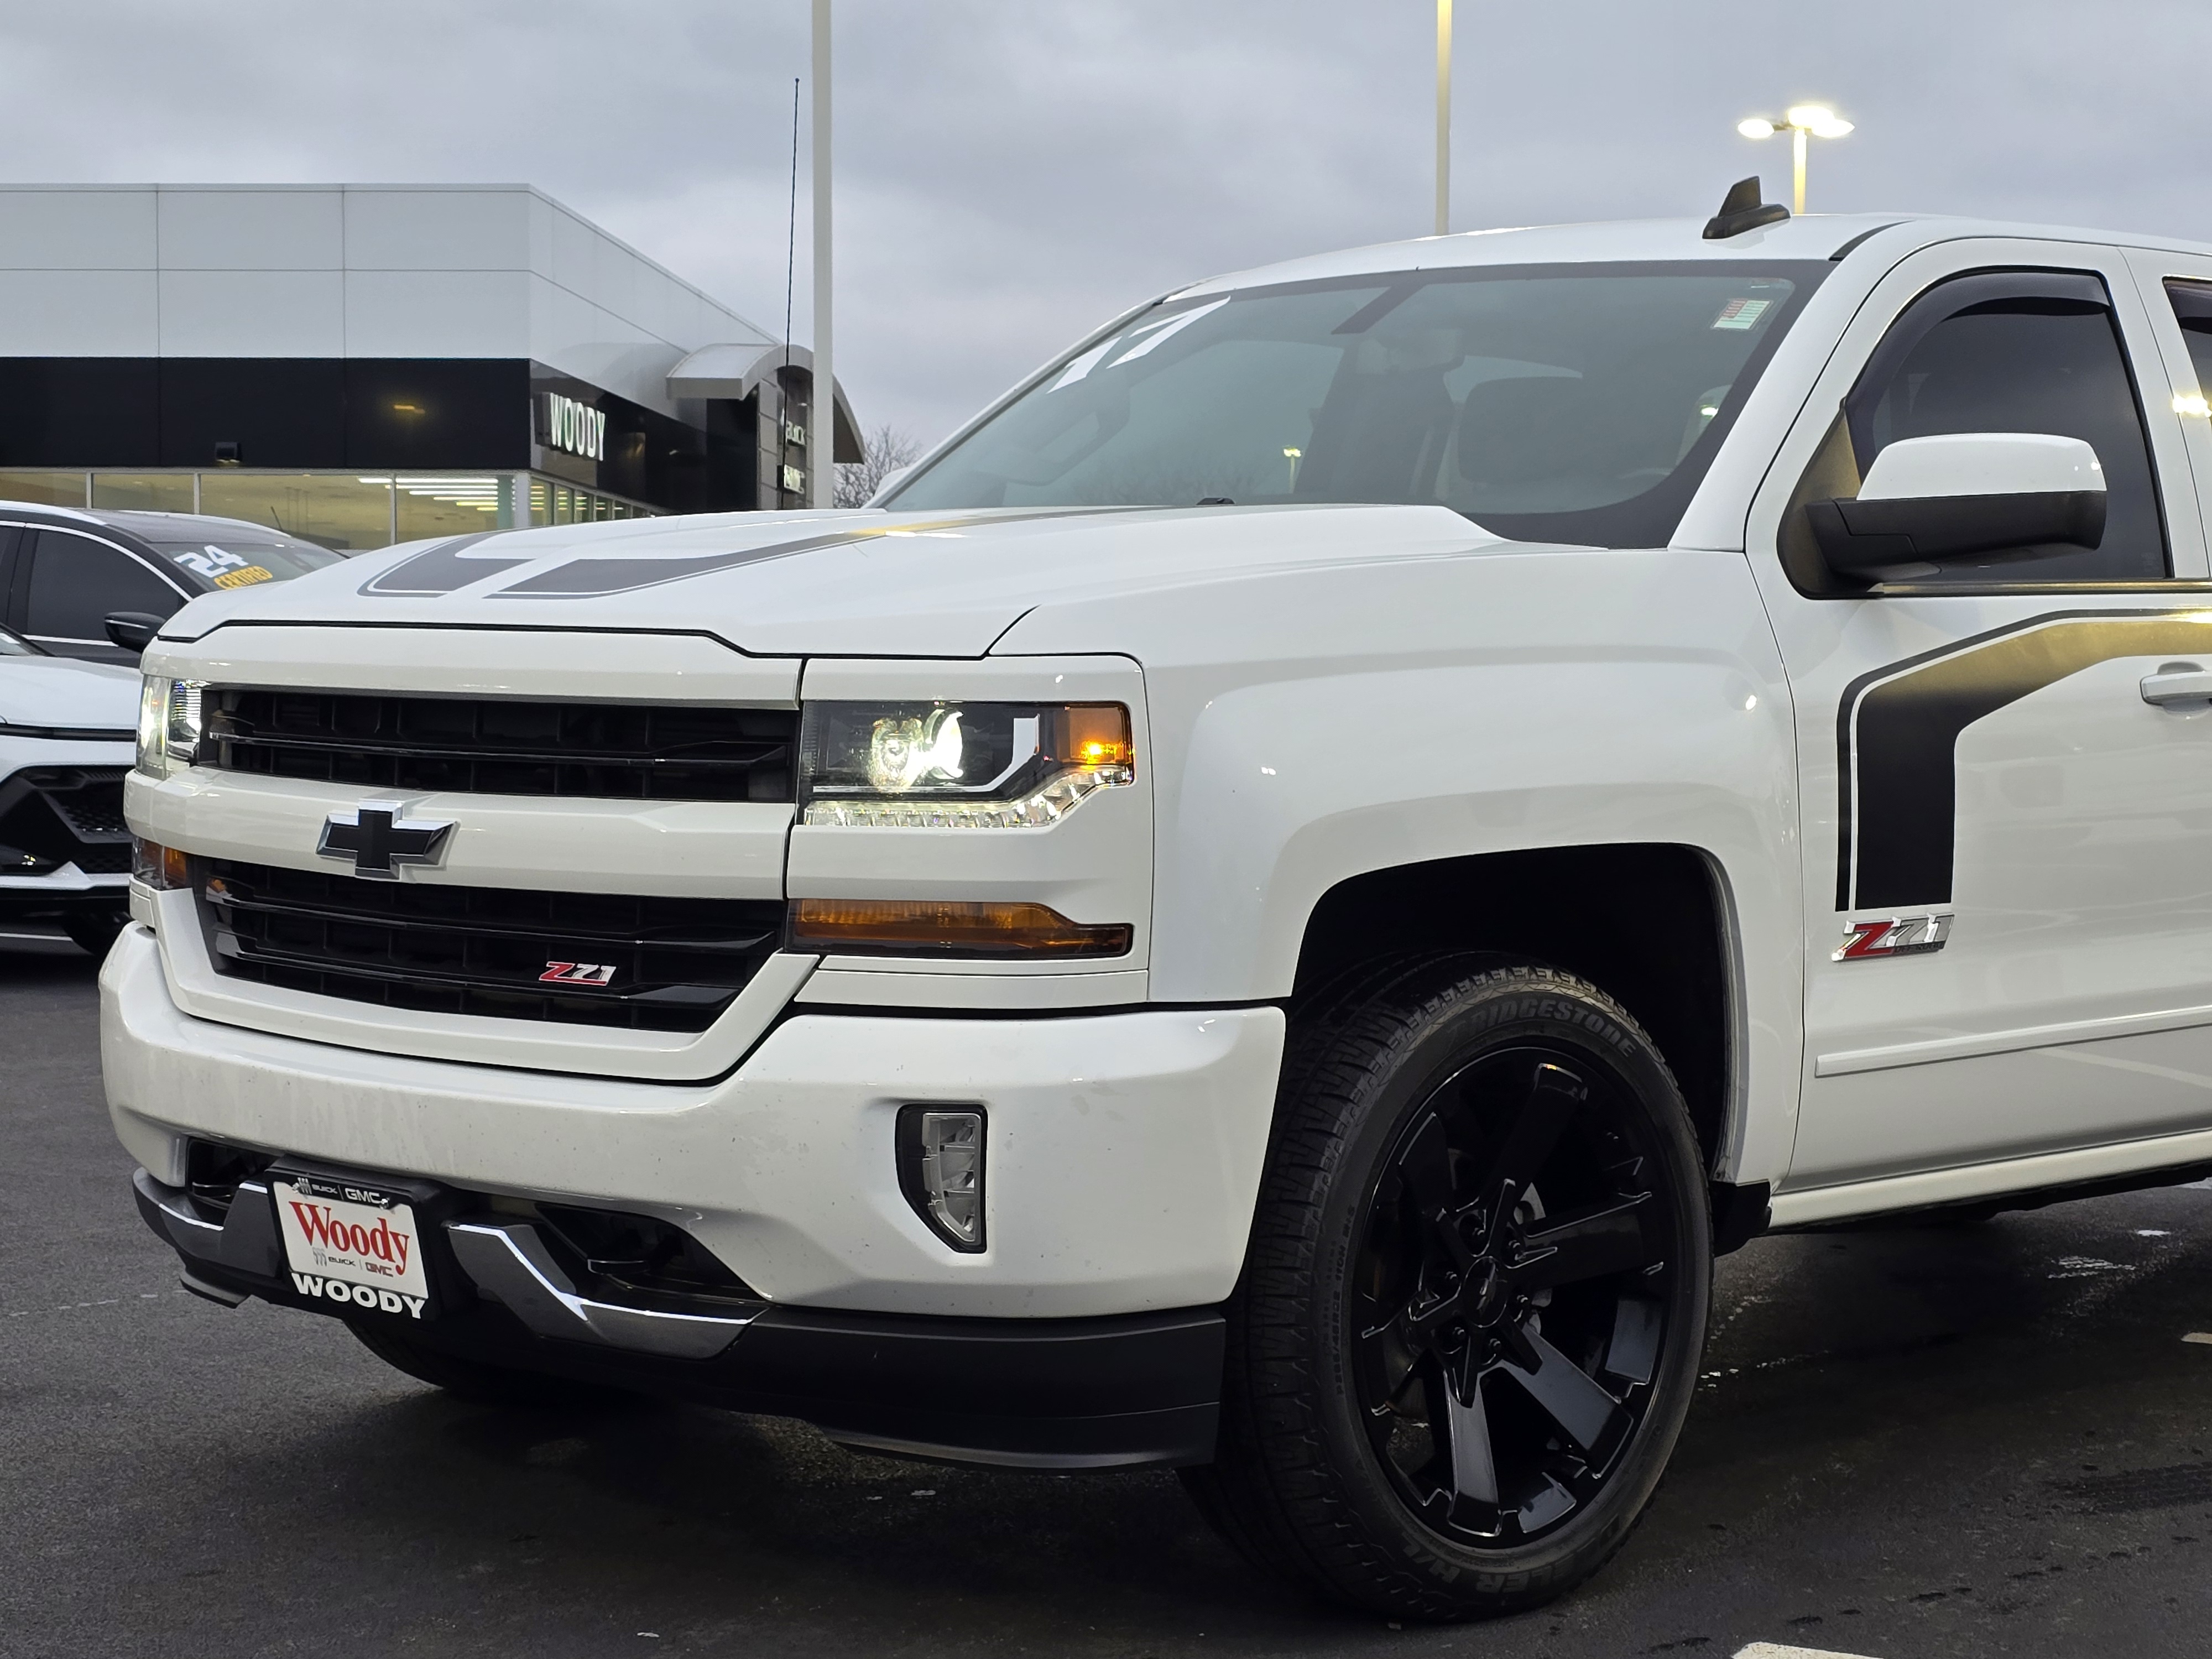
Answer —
1124 1150
63 895
1063 1393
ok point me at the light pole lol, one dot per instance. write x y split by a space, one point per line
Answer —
1443 117
822 407
1801 122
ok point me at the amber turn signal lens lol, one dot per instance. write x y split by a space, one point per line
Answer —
915 927
158 867
1098 735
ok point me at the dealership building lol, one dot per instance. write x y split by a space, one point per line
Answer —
363 364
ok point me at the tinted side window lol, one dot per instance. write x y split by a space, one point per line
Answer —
2024 351
77 583
2192 309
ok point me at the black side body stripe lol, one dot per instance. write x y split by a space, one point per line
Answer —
1897 736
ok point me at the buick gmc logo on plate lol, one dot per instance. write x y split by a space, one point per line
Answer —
351 1244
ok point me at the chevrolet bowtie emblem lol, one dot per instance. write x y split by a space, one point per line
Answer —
376 838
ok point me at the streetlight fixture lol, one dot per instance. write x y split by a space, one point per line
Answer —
822 403
1444 116
1801 122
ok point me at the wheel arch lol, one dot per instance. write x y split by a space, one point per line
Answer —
1652 924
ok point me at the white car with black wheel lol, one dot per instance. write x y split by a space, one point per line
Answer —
66 733
1268 909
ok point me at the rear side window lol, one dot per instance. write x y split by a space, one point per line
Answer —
2192 309
77 583
2021 351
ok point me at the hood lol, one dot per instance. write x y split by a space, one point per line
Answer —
59 692
860 583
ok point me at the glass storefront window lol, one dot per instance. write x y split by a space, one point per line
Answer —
331 510
447 504
347 513
144 492
44 488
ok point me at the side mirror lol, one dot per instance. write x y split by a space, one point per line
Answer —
1929 500
133 630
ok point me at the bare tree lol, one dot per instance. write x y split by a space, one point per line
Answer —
884 452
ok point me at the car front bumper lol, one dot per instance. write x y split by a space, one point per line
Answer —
1124 1158
1058 1394
63 895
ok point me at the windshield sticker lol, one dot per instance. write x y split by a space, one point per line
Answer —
1742 314
1165 331
246 578
209 562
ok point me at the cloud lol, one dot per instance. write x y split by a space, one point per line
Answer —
1011 174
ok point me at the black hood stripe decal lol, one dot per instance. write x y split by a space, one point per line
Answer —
436 571
1897 738
441 570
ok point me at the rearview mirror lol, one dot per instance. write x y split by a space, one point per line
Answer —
1966 495
133 630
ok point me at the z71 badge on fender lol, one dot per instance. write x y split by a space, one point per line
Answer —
1893 936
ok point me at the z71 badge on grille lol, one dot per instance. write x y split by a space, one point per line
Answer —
1893 936
578 973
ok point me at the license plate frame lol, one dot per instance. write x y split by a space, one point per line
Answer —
354 1245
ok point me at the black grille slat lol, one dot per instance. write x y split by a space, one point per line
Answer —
497 746
677 962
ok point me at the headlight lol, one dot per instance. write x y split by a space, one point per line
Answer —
959 766
168 724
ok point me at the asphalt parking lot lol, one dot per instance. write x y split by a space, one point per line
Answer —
1959 1441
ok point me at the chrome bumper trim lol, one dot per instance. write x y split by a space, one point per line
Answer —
510 1265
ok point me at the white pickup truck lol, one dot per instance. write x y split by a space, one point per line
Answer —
1267 910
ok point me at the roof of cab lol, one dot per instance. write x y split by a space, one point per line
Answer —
1813 236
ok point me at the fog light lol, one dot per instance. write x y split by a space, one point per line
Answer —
941 1168
159 867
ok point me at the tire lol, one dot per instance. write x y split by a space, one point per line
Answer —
1387 1302
479 1383
96 933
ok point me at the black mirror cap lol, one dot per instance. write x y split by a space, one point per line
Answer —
1865 538
133 630
1742 210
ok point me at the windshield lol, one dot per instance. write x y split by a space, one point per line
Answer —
15 644
1578 404
233 563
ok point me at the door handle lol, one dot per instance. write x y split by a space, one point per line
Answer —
2181 686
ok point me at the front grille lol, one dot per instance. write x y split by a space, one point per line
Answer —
675 962
60 815
494 746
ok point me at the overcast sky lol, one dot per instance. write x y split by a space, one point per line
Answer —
1011 172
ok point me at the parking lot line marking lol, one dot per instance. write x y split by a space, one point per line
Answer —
1778 1651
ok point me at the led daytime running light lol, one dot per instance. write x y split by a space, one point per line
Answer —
1043 807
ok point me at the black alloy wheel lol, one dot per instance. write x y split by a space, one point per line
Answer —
1470 1322
1485 1297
